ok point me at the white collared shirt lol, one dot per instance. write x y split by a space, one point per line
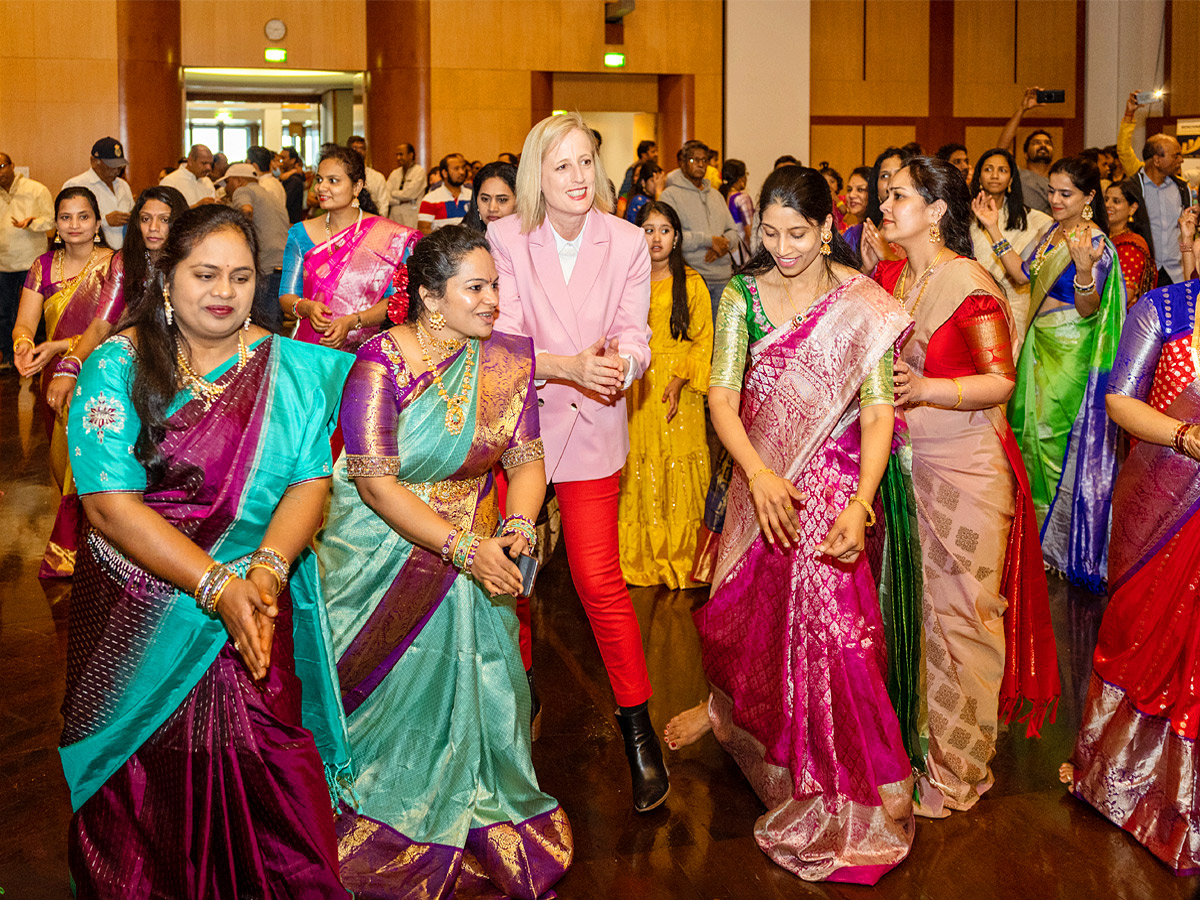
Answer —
20 247
274 187
118 198
193 189
568 255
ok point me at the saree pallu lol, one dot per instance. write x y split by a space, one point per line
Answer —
1135 758
352 271
792 644
1137 265
68 312
446 800
188 779
1057 413
989 652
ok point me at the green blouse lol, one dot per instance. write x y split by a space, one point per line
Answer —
741 321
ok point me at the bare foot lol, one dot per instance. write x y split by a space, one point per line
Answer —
1066 774
688 727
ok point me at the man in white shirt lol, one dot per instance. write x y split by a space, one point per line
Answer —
406 186
376 183
191 179
26 217
260 158
113 194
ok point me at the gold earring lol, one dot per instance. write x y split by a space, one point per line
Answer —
826 237
1087 213
96 239
246 324
354 203
935 233
170 311
437 321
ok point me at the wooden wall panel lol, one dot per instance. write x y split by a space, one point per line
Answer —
319 36
1002 47
982 138
608 91
58 91
1183 80
150 87
893 82
398 81
839 145
877 138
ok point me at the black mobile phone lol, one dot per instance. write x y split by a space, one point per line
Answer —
528 567
1051 96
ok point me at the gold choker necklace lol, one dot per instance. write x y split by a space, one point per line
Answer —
204 390
456 415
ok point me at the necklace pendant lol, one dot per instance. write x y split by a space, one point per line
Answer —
455 418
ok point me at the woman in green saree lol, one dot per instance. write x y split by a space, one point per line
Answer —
419 581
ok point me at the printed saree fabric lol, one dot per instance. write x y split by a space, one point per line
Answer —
447 803
989 652
1135 756
1137 265
1057 410
68 308
171 751
353 271
793 644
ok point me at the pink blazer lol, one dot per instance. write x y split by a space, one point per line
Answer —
586 437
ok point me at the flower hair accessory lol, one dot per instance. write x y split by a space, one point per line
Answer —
398 303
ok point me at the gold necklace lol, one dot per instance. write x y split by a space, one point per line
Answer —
1039 258
329 232
203 389
59 261
456 416
923 280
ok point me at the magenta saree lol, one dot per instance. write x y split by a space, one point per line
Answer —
793 644
352 272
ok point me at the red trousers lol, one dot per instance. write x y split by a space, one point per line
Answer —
589 522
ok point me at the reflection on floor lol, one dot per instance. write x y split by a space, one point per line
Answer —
1026 839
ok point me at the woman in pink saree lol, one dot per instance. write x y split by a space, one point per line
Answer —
338 268
63 287
793 639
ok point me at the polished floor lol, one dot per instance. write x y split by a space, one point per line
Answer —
1026 839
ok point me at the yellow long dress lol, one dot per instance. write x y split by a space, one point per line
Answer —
666 475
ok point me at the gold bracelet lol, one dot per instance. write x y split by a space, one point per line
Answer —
867 507
958 403
760 472
296 307
23 339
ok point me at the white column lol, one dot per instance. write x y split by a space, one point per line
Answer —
272 128
1124 53
766 83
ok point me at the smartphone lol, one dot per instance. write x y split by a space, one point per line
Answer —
1144 97
528 567
1051 96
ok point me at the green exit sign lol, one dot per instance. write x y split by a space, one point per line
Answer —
614 60
275 54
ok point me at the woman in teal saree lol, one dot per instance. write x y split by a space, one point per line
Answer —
202 457
420 595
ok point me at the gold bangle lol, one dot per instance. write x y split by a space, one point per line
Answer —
296 307
958 402
23 339
867 507
760 472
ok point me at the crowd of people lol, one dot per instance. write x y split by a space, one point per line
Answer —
316 432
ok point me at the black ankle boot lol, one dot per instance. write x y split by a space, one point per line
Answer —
646 766
535 707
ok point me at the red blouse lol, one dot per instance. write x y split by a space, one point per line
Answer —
973 341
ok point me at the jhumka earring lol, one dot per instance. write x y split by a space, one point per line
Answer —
826 237
354 203
1087 213
935 233
170 311
96 239
437 321
246 324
